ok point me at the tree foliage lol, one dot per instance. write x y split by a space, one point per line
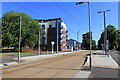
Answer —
86 41
0 33
113 36
118 40
11 28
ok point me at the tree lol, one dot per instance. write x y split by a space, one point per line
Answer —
86 41
112 37
0 33
118 40
101 41
11 27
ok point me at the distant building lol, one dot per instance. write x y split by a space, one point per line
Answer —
71 43
50 27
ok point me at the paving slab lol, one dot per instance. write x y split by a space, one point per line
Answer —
104 67
82 74
104 61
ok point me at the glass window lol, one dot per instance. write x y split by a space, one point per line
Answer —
50 26
43 26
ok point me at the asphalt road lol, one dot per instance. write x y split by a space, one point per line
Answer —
116 57
62 66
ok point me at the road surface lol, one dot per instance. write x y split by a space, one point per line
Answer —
62 66
116 56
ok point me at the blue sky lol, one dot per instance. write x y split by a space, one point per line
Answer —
75 16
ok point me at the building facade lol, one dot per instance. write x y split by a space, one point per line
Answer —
54 30
73 45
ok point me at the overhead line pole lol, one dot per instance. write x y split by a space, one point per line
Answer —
90 35
39 44
89 30
20 39
105 31
57 34
78 39
105 37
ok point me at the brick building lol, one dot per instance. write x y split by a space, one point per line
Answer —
50 29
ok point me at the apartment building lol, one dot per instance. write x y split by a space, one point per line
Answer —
54 30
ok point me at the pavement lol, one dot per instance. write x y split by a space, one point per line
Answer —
116 57
103 67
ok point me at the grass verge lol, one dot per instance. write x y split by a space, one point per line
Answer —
24 53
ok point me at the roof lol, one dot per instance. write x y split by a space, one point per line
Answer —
74 40
45 20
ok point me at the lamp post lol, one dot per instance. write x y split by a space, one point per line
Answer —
57 34
19 38
20 17
78 40
57 25
52 46
39 44
89 30
105 32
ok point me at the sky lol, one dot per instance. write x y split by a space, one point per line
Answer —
74 16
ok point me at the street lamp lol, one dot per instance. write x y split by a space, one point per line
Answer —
52 46
20 17
78 39
57 35
57 25
39 44
105 32
89 30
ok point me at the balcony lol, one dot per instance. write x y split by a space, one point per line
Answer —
60 38
66 35
66 31
63 37
60 33
60 27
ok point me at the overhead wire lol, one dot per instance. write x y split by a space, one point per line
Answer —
35 13
69 16
62 9
66 12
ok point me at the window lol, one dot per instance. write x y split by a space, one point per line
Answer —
43 26
43 38
50 26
